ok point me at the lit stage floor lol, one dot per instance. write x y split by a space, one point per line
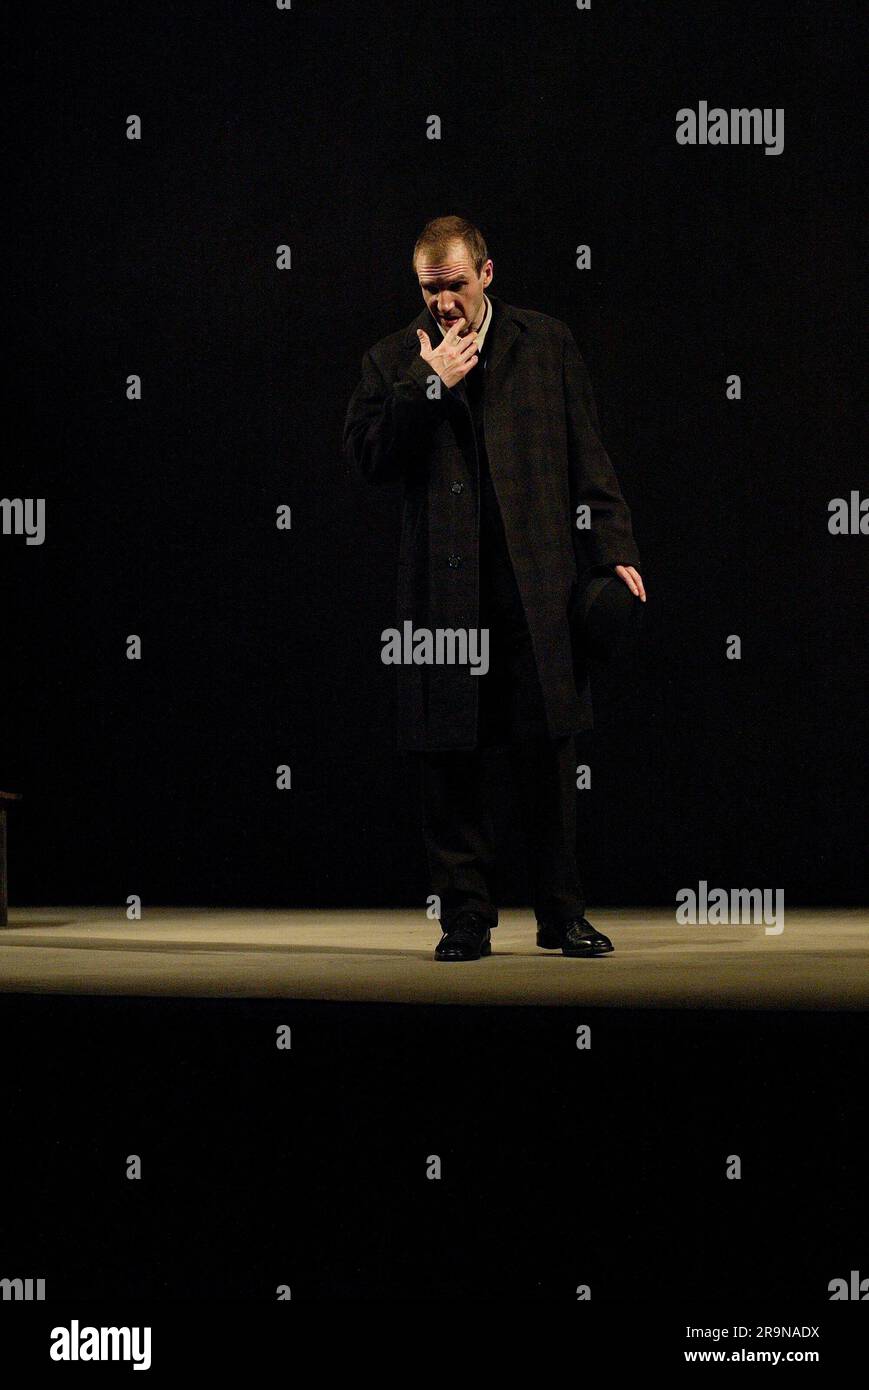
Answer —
820 960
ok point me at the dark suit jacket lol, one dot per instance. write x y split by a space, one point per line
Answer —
545 458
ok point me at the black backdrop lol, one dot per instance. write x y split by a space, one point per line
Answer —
308 127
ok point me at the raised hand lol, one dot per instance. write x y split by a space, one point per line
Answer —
455 356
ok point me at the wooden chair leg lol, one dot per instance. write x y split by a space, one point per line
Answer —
4 917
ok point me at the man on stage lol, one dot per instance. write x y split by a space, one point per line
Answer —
513 525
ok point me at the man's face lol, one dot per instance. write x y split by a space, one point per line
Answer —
452 289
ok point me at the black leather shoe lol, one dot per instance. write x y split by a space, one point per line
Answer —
467 938
576 937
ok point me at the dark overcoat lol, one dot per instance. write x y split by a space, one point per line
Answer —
546 460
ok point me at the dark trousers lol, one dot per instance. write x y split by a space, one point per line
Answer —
456 786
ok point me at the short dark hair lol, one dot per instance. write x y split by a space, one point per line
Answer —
438 235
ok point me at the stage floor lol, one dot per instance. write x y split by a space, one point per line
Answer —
820 961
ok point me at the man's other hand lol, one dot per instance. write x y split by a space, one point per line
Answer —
454 358
632 579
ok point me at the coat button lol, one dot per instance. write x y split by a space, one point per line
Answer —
457 487
454 561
